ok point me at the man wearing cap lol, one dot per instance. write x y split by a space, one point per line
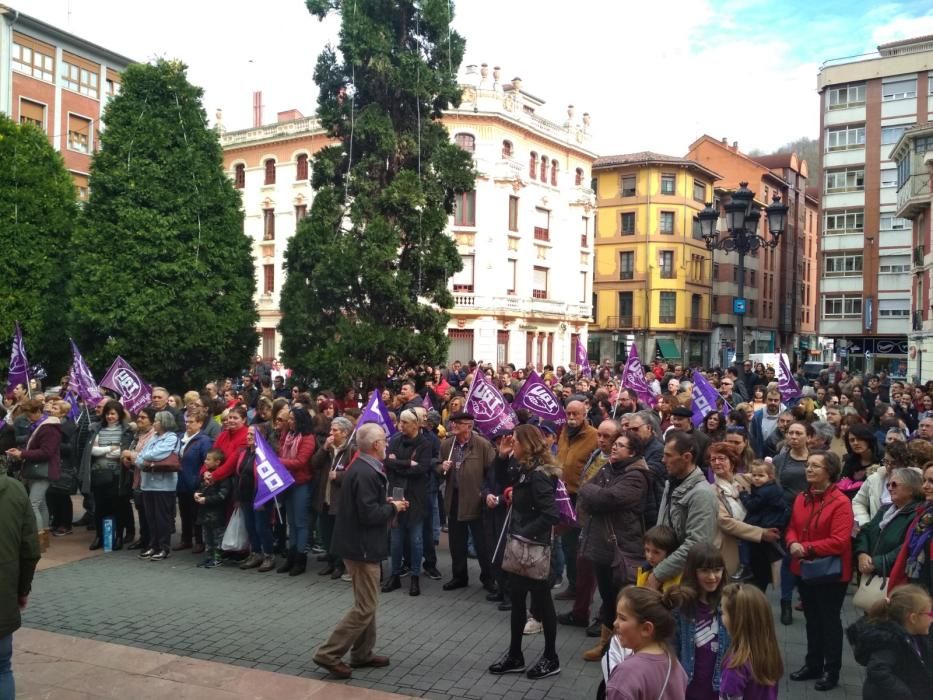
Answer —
466 457
682 419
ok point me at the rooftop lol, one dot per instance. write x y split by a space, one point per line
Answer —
640 157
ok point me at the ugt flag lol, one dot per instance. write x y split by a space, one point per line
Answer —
376 412
271 475
81 380
492 413
135 393
583 362
538 399
633 377
787 385
19 365
705 397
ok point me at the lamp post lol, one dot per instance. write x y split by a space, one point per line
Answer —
741 236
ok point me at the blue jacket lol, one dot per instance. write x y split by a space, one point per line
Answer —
686 647
192 458
157 449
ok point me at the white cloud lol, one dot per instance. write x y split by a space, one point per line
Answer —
902 26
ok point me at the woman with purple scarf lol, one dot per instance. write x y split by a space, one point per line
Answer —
915 562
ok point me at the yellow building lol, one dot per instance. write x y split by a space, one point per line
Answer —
652 280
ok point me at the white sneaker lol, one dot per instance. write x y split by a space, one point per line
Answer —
532 626
346 577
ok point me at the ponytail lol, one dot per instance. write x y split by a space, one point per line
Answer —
903 601
649 605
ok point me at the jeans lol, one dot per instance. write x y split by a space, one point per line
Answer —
787 581
259 527
7 687
40 508
412 535
568 540
297 500
608 591
558 564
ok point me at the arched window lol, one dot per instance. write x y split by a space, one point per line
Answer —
270 171
533 165
506 149
239 176
466 141
554 169
578 178
543 168
301 170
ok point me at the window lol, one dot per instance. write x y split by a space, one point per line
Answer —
842 265
627 265
513 213
81 184
32 113
699 191
848 180
628 223
463 280
301 211
79 133
554 168
628 185
239 176
533 165
80 75
585 236
268 279
511 268
268 224
626 309
666 263
578 177
893 308
930 85
542 224
666 223
889 177
506 149
270 171
583 277
539 283
889 222
890 134
465 209
33 58
301 168
894 264
845 138
543 168
668 184
697 230
751 277
899 90
716 272
751 307
667 312
846 96
268 343
466 141
842 306
845 221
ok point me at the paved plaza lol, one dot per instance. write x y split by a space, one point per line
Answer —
440 643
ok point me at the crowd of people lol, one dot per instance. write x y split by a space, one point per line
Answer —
679 526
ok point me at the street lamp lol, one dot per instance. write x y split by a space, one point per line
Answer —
742 219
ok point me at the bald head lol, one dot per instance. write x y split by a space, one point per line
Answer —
576 414
606 434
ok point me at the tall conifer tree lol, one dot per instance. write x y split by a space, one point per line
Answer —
367 271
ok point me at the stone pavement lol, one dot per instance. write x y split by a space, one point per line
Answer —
440 643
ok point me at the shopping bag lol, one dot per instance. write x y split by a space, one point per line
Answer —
236 538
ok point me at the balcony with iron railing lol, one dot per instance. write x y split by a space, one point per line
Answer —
542 234
623 322
700 324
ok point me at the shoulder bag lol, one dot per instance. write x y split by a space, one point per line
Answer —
525 557
871 588
169 464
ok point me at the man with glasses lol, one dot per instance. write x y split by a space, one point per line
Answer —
647 426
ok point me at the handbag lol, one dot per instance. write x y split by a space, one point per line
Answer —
35 470
821 570
871 588
624 567
527 558
170 464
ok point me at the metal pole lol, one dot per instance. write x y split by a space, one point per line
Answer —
740 318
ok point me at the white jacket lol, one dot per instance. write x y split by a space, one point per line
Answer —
868 499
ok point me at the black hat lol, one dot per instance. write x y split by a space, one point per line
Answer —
461 415
682 411
548 426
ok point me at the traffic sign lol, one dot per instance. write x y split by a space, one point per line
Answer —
739 304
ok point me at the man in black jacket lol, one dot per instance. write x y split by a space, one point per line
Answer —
360 539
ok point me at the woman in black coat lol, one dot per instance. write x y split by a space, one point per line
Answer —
532 519
408 460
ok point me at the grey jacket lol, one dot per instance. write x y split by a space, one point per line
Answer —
692 510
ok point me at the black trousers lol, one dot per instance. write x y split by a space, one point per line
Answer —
188 510
608 591
127 521
543 604
568 540
106 505
428 548
457 533
61 511
822 611
159 506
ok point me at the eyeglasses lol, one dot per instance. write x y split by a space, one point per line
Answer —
892 484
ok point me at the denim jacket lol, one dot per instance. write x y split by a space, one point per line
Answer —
686 647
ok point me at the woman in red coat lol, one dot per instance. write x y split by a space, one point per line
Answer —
296 448
821 528
914 563
232 442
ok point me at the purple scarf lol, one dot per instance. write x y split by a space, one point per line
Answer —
34 426
917 543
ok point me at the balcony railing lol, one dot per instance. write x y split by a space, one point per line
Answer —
914 194
542 234
917 321
700 324
520 305
623 322
539 293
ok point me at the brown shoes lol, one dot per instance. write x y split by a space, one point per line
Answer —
373 662
337 670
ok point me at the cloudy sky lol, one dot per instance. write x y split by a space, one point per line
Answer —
654 75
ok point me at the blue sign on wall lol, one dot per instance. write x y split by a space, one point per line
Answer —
739 304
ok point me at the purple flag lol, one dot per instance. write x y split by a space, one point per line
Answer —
583 362
787 385
19 365
81 380
271 476
135 393
426 402
633 377
376 412
75 411
705 397
540 400
493 415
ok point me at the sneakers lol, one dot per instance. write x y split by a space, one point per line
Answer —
432 573
558 582
405 571
317 549
743 574
212 563
544 668
346 578
159 556
532 627
569 619
146 553
508 664
61 531
252 561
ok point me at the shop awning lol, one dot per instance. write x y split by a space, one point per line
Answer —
668 349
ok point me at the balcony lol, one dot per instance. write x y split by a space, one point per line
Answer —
919 254
622 322
917 324
914 195
519 306
542 234
700 324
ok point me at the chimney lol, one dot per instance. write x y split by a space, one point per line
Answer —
257 108
516 84
725 141
289 115
735 146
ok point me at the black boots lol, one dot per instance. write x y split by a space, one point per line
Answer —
289 562
392 583
300 565
415 586
787 612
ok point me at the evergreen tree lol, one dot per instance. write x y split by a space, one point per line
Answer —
367 271
164 272
37 214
